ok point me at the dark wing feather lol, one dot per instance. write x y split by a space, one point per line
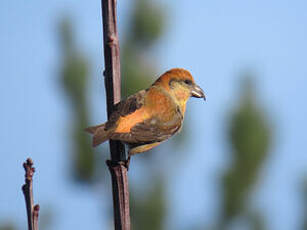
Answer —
126 107
131 104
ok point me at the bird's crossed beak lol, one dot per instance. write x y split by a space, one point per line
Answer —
197 92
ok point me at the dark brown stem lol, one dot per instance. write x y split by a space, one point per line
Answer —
116 166
27 188
35 216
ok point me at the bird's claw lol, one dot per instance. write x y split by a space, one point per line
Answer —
127 163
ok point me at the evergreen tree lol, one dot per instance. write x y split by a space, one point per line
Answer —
74 78
7 226
249 135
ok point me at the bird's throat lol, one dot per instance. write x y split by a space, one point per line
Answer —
181 96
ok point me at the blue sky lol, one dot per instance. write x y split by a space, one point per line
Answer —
215 40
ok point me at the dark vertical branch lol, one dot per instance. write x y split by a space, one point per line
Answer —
27 188
112 83
112 68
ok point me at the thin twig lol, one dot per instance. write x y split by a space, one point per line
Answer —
35 216
27 188
116 166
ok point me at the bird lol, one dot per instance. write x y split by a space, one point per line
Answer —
147 118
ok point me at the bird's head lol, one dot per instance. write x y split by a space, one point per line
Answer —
180 83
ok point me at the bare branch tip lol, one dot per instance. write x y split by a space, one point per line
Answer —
28 166
29 161
36 209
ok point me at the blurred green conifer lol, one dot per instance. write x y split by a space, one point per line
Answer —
149 209
249 135
7 226
74 78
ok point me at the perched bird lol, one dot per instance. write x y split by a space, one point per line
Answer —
151 116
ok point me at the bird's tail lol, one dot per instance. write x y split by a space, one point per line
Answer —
100 134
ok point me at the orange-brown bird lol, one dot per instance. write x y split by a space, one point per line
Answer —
150 116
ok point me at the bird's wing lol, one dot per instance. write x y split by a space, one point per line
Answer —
151 130
154 129
131 104
126 107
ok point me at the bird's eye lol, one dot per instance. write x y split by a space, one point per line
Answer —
188 82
